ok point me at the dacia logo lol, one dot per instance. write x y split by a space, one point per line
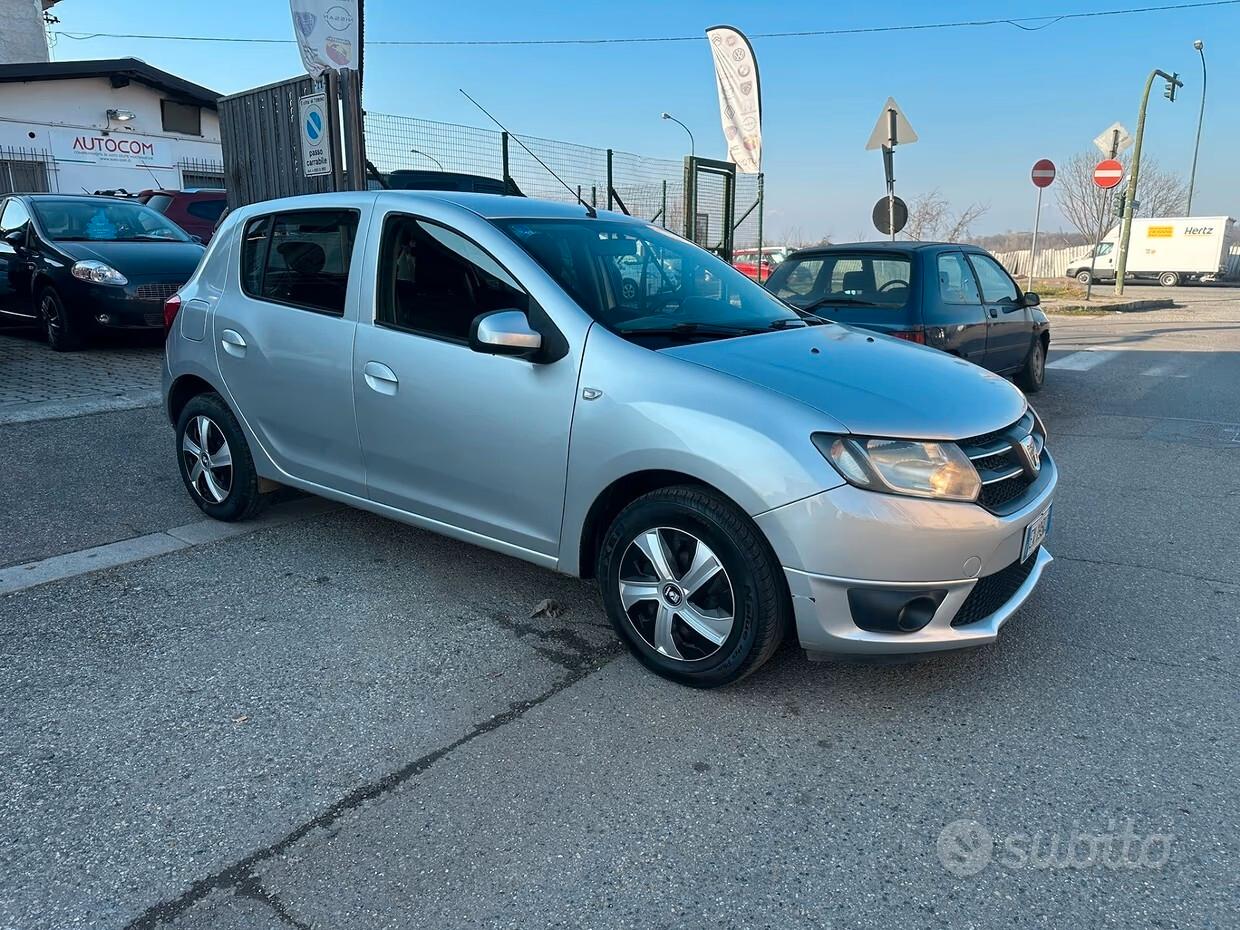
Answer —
1029 449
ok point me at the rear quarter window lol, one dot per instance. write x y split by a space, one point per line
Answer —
159 202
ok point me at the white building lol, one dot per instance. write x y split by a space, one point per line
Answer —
119 124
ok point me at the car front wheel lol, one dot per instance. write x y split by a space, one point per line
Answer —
692 587
215 460
1169 279
1084 277
64 334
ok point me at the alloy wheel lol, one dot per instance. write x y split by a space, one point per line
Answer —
676 594
208 460
51 316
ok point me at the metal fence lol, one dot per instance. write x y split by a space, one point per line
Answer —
25 170
652 188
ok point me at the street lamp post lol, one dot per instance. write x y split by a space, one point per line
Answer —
425 155
1192 177
692 151
1134 173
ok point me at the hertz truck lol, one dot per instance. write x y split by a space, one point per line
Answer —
1170 250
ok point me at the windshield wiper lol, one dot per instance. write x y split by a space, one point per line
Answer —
840 301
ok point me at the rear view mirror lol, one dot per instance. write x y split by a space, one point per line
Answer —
504 332
1032 299
16 237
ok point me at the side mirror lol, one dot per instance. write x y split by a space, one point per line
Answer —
504 332
1032 299
16 237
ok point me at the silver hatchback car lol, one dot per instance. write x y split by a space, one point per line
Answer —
596 395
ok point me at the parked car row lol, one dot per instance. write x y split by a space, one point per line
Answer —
594 394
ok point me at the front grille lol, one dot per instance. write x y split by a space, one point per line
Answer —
993 591
1000 463
158 290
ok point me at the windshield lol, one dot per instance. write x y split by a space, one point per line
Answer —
104 221
640 279
877 282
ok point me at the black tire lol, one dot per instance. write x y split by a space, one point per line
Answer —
756 588
62 331
242 499
628 289
1084 276
1033 373
1169 279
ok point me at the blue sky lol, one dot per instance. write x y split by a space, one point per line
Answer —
986 101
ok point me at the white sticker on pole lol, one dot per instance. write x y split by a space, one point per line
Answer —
316 158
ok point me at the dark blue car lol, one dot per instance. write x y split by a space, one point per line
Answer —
957 298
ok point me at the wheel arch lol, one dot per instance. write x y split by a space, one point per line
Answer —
618 495
184 389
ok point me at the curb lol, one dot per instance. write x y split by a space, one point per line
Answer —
1162 303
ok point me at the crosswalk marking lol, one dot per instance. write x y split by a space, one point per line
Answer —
1164 371
1083 360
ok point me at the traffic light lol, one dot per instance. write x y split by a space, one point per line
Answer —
1119 203
1172 84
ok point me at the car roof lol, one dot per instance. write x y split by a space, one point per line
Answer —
488 206
884 245
101 198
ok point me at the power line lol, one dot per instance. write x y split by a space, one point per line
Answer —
1026 23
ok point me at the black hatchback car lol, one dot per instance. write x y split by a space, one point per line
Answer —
957 298
77 264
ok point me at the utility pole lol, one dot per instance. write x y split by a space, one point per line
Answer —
1121 260
1201 114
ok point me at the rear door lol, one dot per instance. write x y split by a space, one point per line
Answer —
1009 324
284 343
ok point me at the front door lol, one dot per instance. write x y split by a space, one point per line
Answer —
1009 324
15 296
473 441
285 344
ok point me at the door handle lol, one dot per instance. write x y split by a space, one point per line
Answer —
994 314
232 342
380 378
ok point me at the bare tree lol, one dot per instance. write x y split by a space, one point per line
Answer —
930 216
1086 206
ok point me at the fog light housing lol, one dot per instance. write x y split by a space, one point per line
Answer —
103 318
894 610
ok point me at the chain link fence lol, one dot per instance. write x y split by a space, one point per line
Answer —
650 188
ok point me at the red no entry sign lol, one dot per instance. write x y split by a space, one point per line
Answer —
1043 173
1108 173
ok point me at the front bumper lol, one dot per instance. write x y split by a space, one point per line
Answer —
136 305
848 539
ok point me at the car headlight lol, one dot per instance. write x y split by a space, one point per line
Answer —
98 273
899 466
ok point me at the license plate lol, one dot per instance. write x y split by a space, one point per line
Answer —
1035 533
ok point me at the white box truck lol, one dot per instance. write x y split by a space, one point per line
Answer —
1169 250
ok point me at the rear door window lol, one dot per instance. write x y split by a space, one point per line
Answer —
209 210
300 259
956 282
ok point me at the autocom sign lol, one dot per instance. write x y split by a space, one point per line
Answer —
95 147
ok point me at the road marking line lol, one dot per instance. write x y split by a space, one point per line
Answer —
1164 371
139 548
1083 360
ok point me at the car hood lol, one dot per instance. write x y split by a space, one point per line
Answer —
873 384
138 259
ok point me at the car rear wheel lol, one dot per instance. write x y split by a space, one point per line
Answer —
1033 375
215 460
1169 279
1084 276
63 333
692 587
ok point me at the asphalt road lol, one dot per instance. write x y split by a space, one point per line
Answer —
337 721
